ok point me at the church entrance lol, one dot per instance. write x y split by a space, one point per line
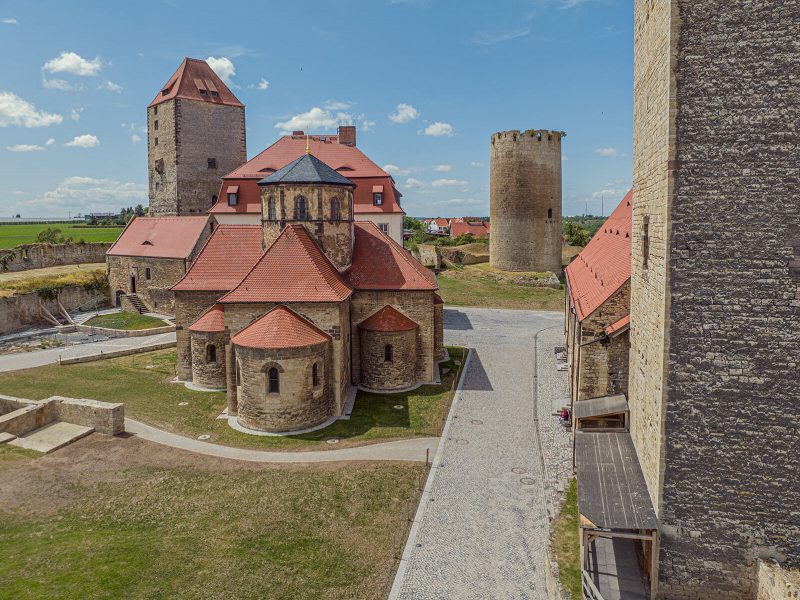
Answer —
133 284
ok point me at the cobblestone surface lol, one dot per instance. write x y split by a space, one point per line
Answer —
484 530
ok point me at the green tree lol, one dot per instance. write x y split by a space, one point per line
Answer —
576 234
413 224
51 235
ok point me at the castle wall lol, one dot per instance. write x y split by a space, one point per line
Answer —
156 293
525 183
41 256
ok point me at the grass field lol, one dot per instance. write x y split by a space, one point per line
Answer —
142 382
122 518
566 547
14 235
21 282
126 321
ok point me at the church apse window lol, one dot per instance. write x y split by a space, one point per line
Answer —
301 209
315 375
211 353
336 209
388 353
271 209
273 381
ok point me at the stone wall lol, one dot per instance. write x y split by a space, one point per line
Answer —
438 331
299 404
22 311
525 201
206 373
380 374
775 583
40 256
155 292
103 417
189 306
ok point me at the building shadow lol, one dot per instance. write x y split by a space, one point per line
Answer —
456 320
476 378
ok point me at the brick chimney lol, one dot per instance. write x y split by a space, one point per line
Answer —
347 135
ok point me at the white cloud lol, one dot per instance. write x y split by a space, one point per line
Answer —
488 39
75 64
84 194
366 124
111 87
223 67
442 168
462 202
609 193
24 148
448 182
50 141
16 111
475 163
87 140
135 139
414 184
59 84
262 85
404 114
9 21
438 129
75 114
607 152
337 105
395 170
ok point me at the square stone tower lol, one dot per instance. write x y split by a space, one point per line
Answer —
195 135
715 287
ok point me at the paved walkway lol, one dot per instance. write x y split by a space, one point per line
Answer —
38 358
482 530
415 450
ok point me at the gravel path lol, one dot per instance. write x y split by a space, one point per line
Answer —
482 529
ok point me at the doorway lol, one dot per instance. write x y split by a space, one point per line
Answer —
133 284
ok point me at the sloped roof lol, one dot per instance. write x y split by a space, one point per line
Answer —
227 256
187 82
387 319
380 263
478 230
604 266
280 328
306 169
159 237
211 321
441 222
619 326
293 269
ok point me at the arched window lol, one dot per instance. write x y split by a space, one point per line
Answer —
273 382
314 375
301 209
549 213
336 209
271 209
211 353
213 200
388 353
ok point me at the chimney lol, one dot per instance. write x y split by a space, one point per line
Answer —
347 135
297 133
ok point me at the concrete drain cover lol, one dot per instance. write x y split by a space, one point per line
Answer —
204 437
527 481
462 441
150 367
183 403
332 441
399 407
476 422
518 471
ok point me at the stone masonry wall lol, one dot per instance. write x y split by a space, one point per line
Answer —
775 583
40 256
205 373
525 182
438 331
379 374
189 306
22 311
164 273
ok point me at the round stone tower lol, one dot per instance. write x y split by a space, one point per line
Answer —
525 201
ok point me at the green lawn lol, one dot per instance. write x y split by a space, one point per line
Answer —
14 235
566 545
142 382
126 321
167 530
472 286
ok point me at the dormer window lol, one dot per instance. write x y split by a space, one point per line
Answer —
233 199
377 198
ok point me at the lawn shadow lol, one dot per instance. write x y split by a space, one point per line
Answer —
476 378
456 320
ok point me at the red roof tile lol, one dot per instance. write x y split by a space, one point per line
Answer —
187 82
159 237
387 319
380 263
621 325
601 268
478 230
211 321
293 269
441 222
280 328
226 258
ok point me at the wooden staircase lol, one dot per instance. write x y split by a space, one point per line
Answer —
137 303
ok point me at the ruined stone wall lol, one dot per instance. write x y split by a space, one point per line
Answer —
189 306
299 404
775 583
335 236
208 373
379 374
155 292
417 306
525 201
22 311
40 256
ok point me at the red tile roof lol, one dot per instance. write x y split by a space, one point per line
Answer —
347 160
226 258
211 321
604 266
280 328
387 319
293 269
478 230
380 263
159 237
441 222
187 82
621 325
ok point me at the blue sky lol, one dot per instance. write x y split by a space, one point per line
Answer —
426 81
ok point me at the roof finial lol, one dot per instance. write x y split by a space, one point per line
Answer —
308 144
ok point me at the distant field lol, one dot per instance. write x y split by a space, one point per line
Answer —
14 235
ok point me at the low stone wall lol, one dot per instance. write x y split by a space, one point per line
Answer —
124 333
29 416
776 583
104 417
40 256
428 255
469 254
22 311
116 354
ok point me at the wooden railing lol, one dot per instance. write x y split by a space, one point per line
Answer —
590 591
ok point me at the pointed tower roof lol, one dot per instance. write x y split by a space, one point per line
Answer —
280 328
293 269
211 321
195 80
306 169
387 319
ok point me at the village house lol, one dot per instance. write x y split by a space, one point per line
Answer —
477 229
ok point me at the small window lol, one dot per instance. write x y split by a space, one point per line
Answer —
159 165
645 242
215 94
147 273
155 110
274 384
211 353
336 210
213 200
384 227
388 353
158 186
233 199
203 93
155 124
271 209
549 213
211 227
301 209
315 375
377 199
155 141
212 163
